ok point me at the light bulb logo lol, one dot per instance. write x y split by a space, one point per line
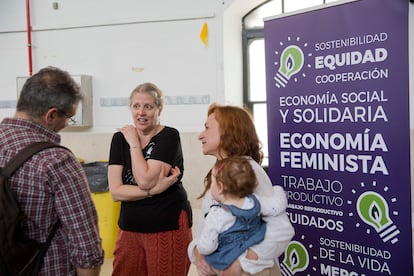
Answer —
291 62
296 259
373 210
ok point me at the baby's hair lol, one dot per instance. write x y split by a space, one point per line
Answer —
237 176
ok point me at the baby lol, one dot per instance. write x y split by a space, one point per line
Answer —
234 223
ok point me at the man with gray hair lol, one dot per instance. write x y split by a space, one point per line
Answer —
52 186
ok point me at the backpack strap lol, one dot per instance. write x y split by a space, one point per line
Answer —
11 167
24 155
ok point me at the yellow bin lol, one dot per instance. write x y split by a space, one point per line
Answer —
108 214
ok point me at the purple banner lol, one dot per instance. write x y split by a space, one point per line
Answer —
338 116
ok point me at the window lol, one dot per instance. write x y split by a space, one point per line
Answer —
254 75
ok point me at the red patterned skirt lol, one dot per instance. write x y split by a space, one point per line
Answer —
153 254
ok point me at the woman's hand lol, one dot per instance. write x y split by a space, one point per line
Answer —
164 182
233 270
131 135
121 192
251 255
203 268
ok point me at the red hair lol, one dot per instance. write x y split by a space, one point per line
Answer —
238 135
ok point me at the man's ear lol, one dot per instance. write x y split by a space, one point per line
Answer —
50 115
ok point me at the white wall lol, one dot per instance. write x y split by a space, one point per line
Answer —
123 43
120 45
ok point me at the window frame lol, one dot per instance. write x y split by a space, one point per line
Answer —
248 36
